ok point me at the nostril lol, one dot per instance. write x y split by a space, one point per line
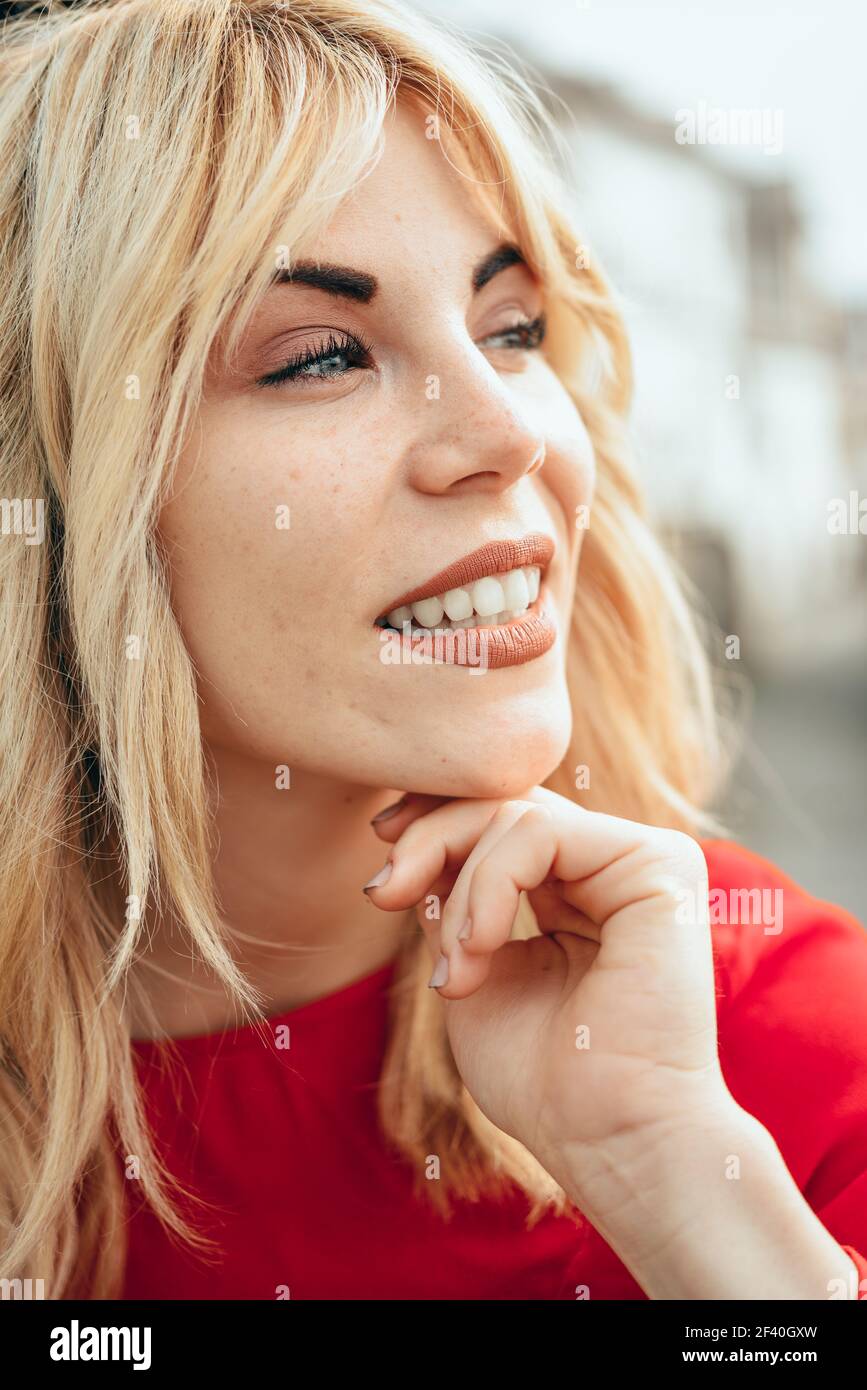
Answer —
474 477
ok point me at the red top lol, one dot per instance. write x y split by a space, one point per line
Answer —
313 1205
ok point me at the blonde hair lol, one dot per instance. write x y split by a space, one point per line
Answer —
150 150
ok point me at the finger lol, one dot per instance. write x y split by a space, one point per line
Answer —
554 913
429 909
431 844
434 898
429 912
434 850
605 863
430 927
485 899
468 969
390 823
608 867
517 854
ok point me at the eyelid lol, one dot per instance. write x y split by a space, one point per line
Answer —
513 319
352 344
535 328
278 346
527 310
342 340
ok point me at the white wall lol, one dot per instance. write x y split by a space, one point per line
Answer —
758 466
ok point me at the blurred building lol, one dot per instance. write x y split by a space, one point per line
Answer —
750 418
750 410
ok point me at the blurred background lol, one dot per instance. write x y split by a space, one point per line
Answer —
715 154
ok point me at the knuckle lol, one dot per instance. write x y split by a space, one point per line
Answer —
512 813
537 815
680 853
486 874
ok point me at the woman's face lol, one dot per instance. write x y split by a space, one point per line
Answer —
304 512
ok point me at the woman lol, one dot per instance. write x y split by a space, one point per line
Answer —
326 405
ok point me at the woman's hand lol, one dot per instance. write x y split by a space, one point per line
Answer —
599 1035
595 1044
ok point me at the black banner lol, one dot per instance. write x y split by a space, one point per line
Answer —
63 1339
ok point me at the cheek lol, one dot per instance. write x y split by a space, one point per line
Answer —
250 504
219 527
262 544
570 466
568 439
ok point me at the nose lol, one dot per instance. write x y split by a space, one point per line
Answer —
479 437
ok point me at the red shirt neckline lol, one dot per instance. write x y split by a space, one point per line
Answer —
251 1034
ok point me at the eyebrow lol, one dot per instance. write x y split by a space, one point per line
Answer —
357 285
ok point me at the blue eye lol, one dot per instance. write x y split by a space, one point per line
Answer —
330 362
528 334
342 353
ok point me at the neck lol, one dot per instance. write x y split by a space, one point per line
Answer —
289 867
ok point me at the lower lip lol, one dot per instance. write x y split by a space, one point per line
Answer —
508 644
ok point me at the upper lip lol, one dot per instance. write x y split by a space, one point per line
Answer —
495 557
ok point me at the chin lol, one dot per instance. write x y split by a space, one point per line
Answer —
499 759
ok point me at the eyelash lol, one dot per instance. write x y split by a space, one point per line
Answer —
357 352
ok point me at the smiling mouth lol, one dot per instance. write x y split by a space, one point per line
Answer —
492 587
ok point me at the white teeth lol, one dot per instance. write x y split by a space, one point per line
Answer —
490 601
458 605
428 612
516 590
398 616
487 596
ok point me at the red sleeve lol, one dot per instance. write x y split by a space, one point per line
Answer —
792 1017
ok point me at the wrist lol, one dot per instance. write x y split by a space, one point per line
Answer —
705 1208
656 1170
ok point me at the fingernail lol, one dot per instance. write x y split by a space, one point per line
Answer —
441 972
379 879
466 930
389 811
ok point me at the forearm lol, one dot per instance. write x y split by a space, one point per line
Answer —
708 1212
